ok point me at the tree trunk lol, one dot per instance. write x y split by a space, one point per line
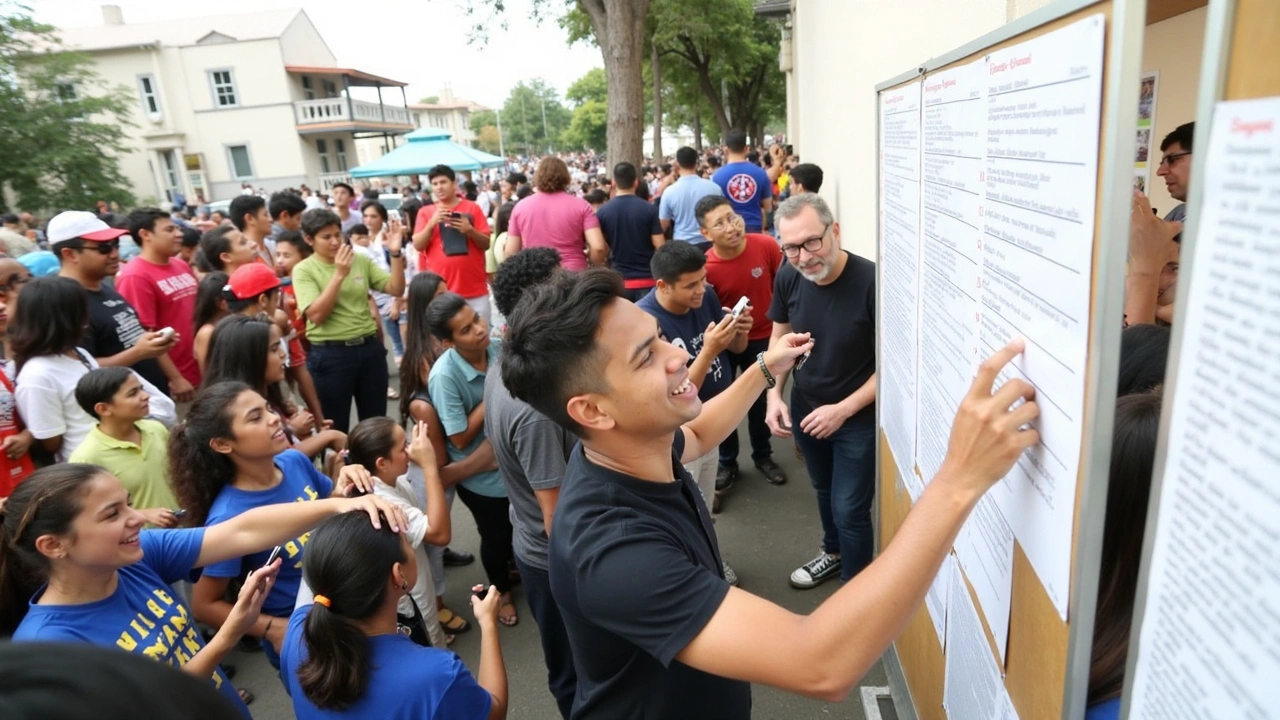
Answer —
655 63
619 29
712 94
697 128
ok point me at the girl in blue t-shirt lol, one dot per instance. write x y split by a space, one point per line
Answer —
345 656
76 565
231 455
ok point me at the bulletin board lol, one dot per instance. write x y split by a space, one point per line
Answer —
1046 660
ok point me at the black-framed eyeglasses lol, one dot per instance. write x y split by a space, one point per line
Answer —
1171 158
812 245
104 248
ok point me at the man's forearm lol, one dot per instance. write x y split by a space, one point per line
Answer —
862 397
169 368
722 414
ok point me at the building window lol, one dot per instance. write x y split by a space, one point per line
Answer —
150 96
307 91
340 149
323 149
66 92
330 90
238 159
224 88
171 175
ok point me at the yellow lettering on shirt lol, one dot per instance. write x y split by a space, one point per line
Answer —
311 494
162 596
155 608
126 642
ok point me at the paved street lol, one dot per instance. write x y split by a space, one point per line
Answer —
764 531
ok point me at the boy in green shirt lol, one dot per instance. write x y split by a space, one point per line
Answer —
125 443
347 360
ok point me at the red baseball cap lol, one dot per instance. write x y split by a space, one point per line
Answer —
252 280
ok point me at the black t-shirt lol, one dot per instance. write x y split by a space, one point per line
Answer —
629 224
113 328
636 571
842 318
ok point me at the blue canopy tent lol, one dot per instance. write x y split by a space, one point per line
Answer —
427 147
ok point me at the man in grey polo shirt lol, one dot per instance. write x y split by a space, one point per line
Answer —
678 203
532 453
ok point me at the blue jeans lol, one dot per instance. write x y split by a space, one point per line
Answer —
842 469
757 430
562 678
343 373
393 331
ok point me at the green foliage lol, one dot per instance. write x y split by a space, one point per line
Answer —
429 100
591 86
483 118
589 127
487 139
522 113
59 147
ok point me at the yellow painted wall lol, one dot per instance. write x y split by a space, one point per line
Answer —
1173 48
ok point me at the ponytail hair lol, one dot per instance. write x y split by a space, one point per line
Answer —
47 503
369 440
197 473
348 562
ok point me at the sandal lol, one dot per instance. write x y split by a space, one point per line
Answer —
246 697
512 619
448 639
393 394
451 621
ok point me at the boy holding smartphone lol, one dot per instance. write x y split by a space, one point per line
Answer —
451 238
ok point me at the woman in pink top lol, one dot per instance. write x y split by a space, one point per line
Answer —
553 218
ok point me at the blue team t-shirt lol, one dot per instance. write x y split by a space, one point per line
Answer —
301 482
686 331
407 681
142 616
1105 710
746 185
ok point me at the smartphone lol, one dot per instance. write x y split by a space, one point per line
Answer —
803 359
455 215
274 554
742 305
394 214
180 513
168 333
481 593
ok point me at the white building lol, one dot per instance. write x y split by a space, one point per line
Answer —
254 98
449 113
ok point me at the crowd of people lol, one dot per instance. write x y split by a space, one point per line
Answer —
575 353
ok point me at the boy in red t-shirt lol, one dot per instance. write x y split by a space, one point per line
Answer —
742 264
451 238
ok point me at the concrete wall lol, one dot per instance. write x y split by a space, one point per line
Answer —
1173 48
841 51
301 44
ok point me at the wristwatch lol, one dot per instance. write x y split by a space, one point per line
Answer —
768 376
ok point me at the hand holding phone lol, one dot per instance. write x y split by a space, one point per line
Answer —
168 333
742 305
272 557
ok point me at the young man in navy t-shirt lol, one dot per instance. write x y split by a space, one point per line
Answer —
746 184
632 230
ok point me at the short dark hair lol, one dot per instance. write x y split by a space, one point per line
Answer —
529 267
9 219
100 385
51 321
294 238
736 140
243 205
549 353
317 219
1144 357
286 203
1184 134
441 170
597 197
686 157
213 243
674 259
624 175
143 218
190 237
377 207
808 175
357 229
343 185
706 205
440 312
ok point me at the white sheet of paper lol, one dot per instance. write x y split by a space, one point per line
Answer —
911 481
935 600
1211 628
972 687
954 118
899 280
984 549
1043 117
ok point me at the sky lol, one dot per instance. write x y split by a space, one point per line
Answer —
421 42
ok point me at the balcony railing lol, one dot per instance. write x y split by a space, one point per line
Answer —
330 110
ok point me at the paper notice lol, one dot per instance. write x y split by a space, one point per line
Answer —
1209 644
972 688
984 549
935 600
954 120
1044 102
899 280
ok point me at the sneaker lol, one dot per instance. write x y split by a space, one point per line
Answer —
725 475
772 471
453 558
816 571
730 576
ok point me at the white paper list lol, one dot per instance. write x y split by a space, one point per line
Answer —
935 599
984 548
1209 645
972 688
1043 111
954 117
899 281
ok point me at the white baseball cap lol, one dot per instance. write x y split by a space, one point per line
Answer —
82 225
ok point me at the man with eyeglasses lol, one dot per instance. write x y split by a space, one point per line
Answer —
830 294
89 251
1155 244
742 265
